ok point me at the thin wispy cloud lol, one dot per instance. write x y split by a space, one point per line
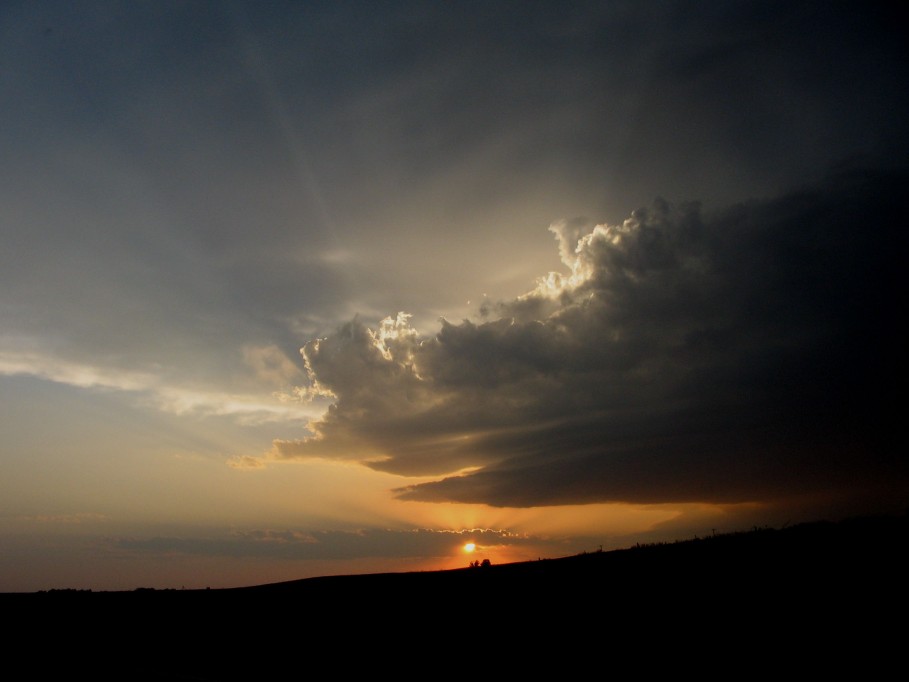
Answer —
311 545
149 388
76 518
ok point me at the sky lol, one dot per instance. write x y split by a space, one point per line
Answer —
303 288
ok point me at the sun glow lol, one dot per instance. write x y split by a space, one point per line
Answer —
470 547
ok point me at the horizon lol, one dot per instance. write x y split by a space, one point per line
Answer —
867 523
314 289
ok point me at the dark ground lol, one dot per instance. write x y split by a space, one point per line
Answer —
821 598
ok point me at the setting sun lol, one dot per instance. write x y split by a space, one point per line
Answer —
469 547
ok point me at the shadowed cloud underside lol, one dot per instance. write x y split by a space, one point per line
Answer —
683 356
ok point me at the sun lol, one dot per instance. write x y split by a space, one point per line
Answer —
469 547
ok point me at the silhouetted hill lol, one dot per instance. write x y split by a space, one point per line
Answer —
835 589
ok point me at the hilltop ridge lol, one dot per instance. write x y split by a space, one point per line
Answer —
833 581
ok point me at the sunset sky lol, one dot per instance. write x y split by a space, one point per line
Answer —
300 288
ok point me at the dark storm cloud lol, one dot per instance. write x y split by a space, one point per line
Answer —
729 356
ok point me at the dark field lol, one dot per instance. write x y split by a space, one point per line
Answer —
814 598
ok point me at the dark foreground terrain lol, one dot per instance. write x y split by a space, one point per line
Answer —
810 599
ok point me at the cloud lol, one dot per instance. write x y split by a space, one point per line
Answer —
69 519
271 365
245 462
685 355
326 544
157 391
15 361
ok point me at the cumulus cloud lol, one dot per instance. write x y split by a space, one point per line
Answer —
683 355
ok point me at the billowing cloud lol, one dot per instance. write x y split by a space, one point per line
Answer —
684 355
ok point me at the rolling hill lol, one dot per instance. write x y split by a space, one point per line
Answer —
819 594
